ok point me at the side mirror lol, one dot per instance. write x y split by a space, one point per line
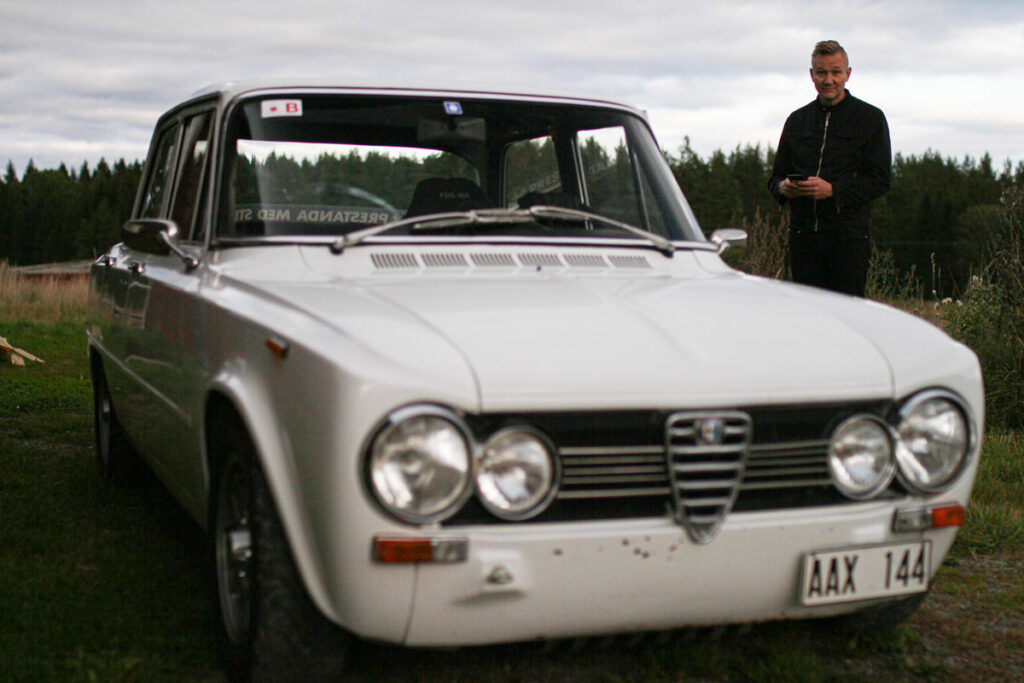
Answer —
150 235
156 236
726 238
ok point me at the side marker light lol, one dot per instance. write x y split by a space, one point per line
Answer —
924 518
277 346
395 550
948 515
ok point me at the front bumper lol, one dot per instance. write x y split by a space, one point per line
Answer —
569 580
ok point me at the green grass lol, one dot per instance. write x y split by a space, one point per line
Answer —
995 516
96 582
101 583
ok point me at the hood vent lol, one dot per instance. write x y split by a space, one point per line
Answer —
630 262
493 260
541 260
391 261
445 261
448 260
586 261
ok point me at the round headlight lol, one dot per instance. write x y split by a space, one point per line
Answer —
515 474
860 457
933 441
420 465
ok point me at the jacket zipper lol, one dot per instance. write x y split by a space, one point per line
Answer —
821 159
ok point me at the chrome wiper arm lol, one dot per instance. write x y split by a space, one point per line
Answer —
498 216
562 213
434 221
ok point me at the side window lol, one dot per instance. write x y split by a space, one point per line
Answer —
161 174
531 170
188 196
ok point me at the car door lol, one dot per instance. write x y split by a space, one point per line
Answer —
162 352
124 293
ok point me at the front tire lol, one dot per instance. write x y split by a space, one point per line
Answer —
271 630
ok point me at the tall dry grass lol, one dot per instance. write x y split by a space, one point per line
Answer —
41 299
765 253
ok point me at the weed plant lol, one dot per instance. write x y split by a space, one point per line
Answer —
990 317
886 282
766 255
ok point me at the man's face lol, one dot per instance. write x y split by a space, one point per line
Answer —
830 73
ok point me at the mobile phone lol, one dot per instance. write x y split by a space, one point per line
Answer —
796 177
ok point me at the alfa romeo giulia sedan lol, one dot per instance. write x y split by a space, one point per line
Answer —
444 368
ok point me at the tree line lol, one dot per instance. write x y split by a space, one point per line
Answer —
936 220
57 215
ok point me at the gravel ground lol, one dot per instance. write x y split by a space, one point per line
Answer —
972 625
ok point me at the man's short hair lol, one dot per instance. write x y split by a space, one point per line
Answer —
829 47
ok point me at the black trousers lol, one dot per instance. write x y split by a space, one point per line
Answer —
830 260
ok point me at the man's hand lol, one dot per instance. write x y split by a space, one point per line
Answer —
812 188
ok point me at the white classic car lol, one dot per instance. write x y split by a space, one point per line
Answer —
444 368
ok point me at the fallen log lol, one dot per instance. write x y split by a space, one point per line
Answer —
14 355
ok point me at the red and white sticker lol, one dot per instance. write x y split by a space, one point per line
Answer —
271 108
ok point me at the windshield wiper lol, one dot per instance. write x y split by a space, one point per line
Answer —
565 214
439 221
433 221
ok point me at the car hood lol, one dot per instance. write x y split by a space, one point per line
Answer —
549 340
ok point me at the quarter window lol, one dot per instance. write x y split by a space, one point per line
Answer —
161 174
187 198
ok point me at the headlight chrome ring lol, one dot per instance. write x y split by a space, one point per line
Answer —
860 457
934 440
420 464
517 473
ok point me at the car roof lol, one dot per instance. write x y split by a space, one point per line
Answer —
229 90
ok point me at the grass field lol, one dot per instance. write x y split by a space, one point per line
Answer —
100 583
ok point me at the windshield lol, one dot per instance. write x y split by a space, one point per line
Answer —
330 165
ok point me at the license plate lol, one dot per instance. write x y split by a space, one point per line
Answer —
851 574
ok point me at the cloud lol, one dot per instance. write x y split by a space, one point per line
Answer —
90 79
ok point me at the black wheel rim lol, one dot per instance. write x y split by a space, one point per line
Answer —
234 551
104 415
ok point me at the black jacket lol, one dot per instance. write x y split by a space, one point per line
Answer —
846 144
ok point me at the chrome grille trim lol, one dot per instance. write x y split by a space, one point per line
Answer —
787 465
706 458
615 471
614 493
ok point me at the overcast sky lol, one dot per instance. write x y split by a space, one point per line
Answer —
85 80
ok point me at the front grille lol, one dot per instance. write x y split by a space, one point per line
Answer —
706 454
615 465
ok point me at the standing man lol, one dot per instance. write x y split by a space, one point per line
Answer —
833 160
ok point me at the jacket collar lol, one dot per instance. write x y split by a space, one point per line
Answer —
832 107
